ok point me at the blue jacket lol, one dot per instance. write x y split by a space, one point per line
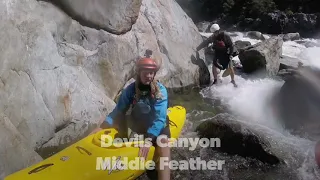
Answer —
160 107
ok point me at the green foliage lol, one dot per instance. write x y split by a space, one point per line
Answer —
288 12
255 8
252 8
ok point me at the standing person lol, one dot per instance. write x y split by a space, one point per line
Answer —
224 48
148 99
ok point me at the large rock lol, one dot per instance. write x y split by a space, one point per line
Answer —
255 35
15 152
241 45
58 78
115 16
291 36
297 102
174 31
237 139
263 56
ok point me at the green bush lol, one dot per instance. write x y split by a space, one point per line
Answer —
237 8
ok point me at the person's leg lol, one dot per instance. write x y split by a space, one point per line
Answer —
215 70
215 74
163 152
232 74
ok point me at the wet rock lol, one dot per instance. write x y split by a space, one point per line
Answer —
291 37
241 45
297 102
308 44
255 35
263 56
237 139
289 62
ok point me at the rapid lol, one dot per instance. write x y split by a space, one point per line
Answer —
250 102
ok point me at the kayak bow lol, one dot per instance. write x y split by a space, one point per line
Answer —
87 159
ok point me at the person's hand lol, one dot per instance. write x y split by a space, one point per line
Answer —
144 150
219 66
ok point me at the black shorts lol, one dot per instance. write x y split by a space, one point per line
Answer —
223 60
165 131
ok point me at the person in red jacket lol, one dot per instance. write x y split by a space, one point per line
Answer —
224 48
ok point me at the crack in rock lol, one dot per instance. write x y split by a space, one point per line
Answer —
41 95
163 50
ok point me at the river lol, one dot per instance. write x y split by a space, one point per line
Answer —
250 101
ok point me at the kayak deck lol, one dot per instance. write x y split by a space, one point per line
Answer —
87 159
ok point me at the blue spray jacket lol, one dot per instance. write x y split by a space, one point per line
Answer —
160 109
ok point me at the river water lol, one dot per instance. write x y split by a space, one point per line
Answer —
250 102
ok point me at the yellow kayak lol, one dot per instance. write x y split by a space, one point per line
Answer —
96 157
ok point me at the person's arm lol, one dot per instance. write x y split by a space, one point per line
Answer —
229 43
159 123
122 105
206 42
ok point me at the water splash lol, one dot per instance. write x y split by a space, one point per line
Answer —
251 101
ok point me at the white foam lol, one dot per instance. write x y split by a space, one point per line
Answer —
292 49
250 100
311 56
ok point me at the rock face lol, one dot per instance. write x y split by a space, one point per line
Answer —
115 16
255 35
236 138
297 102
291 37
15 152
58 77
241 45
262 56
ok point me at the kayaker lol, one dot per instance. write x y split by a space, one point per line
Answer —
148 101
224 49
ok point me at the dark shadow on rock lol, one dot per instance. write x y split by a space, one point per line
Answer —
237 139
204 73
298 102
60 4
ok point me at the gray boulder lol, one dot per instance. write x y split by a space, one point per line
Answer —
115 16
15 152
297 102
58 78
255 35
263 56
291 37
241 45
235 138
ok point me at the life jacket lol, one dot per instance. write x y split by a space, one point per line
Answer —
142 109
220 44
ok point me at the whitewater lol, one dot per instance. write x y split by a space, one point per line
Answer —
251 102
